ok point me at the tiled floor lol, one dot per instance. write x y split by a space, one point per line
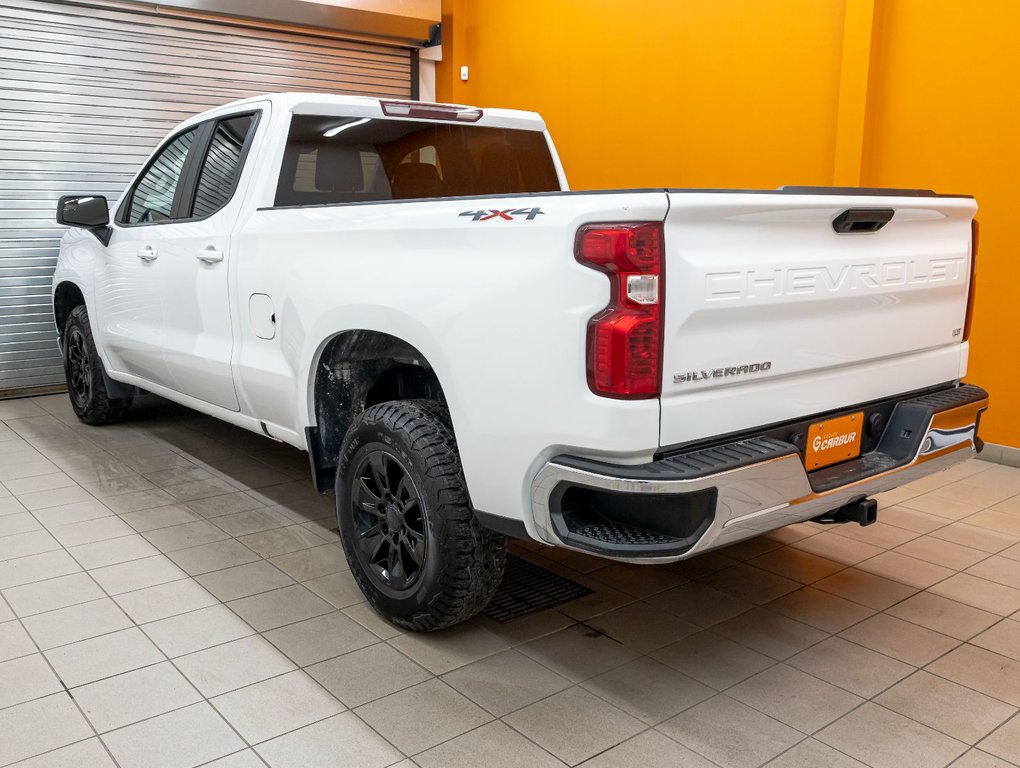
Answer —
173 596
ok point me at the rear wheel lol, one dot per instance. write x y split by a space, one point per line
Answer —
83 370
411 538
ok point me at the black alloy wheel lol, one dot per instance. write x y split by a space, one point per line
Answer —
79 368
390 521
414 544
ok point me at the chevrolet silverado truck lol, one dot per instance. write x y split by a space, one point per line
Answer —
469 352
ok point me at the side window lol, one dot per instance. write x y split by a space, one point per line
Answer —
222 165
152 198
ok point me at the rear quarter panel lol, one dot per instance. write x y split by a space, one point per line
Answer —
498 306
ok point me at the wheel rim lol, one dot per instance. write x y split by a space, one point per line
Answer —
389 521
79 367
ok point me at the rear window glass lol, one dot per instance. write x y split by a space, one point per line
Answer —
349 159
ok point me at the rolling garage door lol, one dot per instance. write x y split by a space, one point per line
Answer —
87 93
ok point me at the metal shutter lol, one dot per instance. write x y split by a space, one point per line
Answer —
87 93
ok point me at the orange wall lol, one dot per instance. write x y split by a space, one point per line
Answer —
944 113
746 93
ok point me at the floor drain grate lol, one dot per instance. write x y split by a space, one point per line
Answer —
528 588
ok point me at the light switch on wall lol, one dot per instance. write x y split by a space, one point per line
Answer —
464 73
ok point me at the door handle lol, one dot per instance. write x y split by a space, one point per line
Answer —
209 255
147 254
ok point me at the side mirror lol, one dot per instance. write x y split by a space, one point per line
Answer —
86 211
90 212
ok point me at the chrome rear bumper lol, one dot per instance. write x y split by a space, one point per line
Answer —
755 496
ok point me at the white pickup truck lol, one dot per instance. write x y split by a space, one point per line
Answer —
469 351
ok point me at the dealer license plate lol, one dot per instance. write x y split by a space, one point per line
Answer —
833 440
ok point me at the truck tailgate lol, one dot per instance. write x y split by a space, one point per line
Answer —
772 315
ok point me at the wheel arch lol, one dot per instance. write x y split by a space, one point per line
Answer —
354 370
66 296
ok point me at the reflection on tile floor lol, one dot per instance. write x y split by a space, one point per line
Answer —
173 595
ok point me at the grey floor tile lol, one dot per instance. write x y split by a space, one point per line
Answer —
213 557
24 545
190 632
281 541
320 743
312 563
641 627
944 615
339 589
147 520
449 649
578 653
278 607
126 504
1005 742
228 503
185 536
233 665
1003 638
984 671
649 749
136 574
320 638
78 512
755 585
134 696
946 706
505 682
793 697
574 724
648 690
275 706
165 600
26 678
91 531
820 610
422 716
851 666
244 580
980 593
700 604
713 660
52 594
247 758
179 739
89 753
731 734
371 673
26 570
900 639
113 551
884 739
14 641
866 588
22 735
494 745
770 633
20 523
99 657
77 622
813 754
975 758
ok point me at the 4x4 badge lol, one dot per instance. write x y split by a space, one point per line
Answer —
530 214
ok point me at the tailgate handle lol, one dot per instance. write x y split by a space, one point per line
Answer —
862 220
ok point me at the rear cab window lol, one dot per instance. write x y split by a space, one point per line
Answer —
329 160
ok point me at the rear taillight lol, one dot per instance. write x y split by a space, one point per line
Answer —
973 281
625 339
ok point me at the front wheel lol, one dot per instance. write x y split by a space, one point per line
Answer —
413 542
83 370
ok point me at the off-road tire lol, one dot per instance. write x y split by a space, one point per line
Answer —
463 561
83 370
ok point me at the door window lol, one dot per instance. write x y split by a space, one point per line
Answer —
152 199
222 165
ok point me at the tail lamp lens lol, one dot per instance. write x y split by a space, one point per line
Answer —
974 228
624 356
